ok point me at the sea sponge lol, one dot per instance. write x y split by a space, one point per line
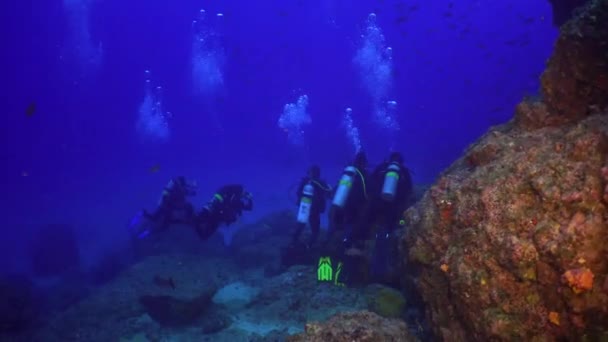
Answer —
386 302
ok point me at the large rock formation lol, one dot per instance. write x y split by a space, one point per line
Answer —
575 82
511 243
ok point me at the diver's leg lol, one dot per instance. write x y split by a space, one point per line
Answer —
315 226
297 233
165 222
335 223
206 225
189 214
205 229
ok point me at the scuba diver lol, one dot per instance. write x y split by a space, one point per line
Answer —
173 207
390 194
312 193
226 207
349 203
349 199
392 191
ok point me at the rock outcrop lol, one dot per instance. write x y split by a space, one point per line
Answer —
19 306
511 242
359 326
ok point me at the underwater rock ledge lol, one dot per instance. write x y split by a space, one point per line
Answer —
362 326
510 243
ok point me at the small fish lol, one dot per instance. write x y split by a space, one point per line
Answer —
164 282
413 8
401 19
528 20
31 109
155 168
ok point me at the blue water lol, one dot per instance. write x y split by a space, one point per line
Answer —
254 95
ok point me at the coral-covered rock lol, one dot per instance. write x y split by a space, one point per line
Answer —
503 243
355 326
250 244
575 83
510 243
171 311
385 301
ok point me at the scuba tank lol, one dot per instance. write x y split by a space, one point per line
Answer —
346 183
391 179
306 203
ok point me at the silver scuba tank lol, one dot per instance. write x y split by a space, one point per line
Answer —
346 183
306 203
391 179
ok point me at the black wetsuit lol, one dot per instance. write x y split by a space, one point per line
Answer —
174 206
321 192
387 214
350 215
226 207
383 216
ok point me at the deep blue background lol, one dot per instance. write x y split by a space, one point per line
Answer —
459 68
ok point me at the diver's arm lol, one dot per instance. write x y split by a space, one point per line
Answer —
299 190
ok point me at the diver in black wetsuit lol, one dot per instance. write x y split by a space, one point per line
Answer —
391 192
173 206
226 206
312 194
349 200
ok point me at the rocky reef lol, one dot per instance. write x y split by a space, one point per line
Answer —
19 305
201 297
510 243
362 326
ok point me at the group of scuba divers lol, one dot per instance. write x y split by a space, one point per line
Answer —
362 205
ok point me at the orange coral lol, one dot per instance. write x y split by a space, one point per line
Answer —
579 279
554 317
445 267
